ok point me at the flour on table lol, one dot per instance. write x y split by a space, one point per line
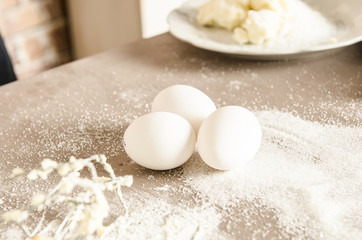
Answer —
304 182
305 173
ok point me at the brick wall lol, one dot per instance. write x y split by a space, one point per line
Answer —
35 34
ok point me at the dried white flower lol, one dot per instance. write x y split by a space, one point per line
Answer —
38 199
87 208
108 168
48 164
15 216
43 174
104 179
17 172
92 219
109 186
84 224
126 180
77 165
100 231
64 169
72 159
33 174
74 174
66 186
102 159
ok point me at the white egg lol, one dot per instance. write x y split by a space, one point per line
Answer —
160 140
186 101
229 138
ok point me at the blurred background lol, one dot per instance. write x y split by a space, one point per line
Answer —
42 34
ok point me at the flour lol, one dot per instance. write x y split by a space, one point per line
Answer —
304 173
303 183
305 28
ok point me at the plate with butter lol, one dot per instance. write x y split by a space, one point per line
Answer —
268 29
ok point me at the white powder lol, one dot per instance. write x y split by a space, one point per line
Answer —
304 28
305 173
155 218
305 182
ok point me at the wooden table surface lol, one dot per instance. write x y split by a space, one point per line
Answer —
83 108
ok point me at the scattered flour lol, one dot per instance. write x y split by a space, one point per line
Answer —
305 182
305 172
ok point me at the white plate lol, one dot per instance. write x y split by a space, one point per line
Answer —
345 15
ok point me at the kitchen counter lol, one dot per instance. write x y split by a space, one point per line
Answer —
310 111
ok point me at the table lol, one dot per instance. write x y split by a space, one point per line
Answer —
305 181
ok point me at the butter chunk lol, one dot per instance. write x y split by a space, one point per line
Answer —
261 26
240 35
226 14
251 21
279 6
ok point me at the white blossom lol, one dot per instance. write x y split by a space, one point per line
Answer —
66 186
103 159
64 169
108 168
76 165
87 208
109 186
38 199
17 172
48 164
126 181
33 175
15 216
72 159
74 174
43 174
104 179
92 219
100 231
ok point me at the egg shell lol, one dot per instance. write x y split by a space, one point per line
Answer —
186 101
229 138
160 140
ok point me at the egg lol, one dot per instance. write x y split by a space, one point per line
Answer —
159 140
229 138
186 101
